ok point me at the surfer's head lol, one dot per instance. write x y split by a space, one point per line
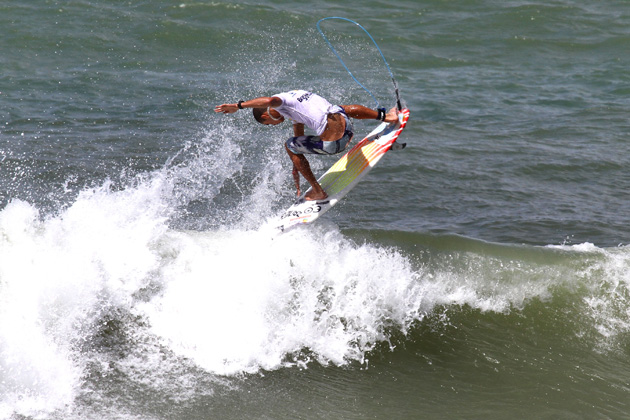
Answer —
267 116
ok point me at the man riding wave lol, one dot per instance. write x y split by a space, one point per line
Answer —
331 123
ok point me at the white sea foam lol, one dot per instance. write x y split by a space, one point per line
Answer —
233 299
230 300
57 275
241 301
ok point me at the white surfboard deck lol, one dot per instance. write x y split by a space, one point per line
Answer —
345 174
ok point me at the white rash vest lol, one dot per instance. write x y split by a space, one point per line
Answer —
306 108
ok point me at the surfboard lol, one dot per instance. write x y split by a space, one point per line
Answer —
346 173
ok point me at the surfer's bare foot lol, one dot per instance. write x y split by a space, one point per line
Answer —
392 116
312 195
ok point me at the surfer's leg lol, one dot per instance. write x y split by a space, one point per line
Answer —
361 112
303 167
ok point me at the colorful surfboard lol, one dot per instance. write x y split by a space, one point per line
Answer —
346 173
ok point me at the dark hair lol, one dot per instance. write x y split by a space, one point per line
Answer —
258 114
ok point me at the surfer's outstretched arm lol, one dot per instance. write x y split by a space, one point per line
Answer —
262 102
361 112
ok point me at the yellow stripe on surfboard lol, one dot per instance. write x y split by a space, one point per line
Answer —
349 167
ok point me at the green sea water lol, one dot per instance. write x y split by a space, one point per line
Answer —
481 273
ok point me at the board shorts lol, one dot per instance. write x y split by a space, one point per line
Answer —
314 145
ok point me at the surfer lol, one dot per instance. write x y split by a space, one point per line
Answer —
331 124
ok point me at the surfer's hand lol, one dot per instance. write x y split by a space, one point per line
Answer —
391 116
226 108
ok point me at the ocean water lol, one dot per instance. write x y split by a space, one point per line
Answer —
481 273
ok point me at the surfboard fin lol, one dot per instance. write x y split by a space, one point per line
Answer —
398 146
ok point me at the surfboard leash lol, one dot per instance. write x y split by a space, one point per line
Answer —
398 102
